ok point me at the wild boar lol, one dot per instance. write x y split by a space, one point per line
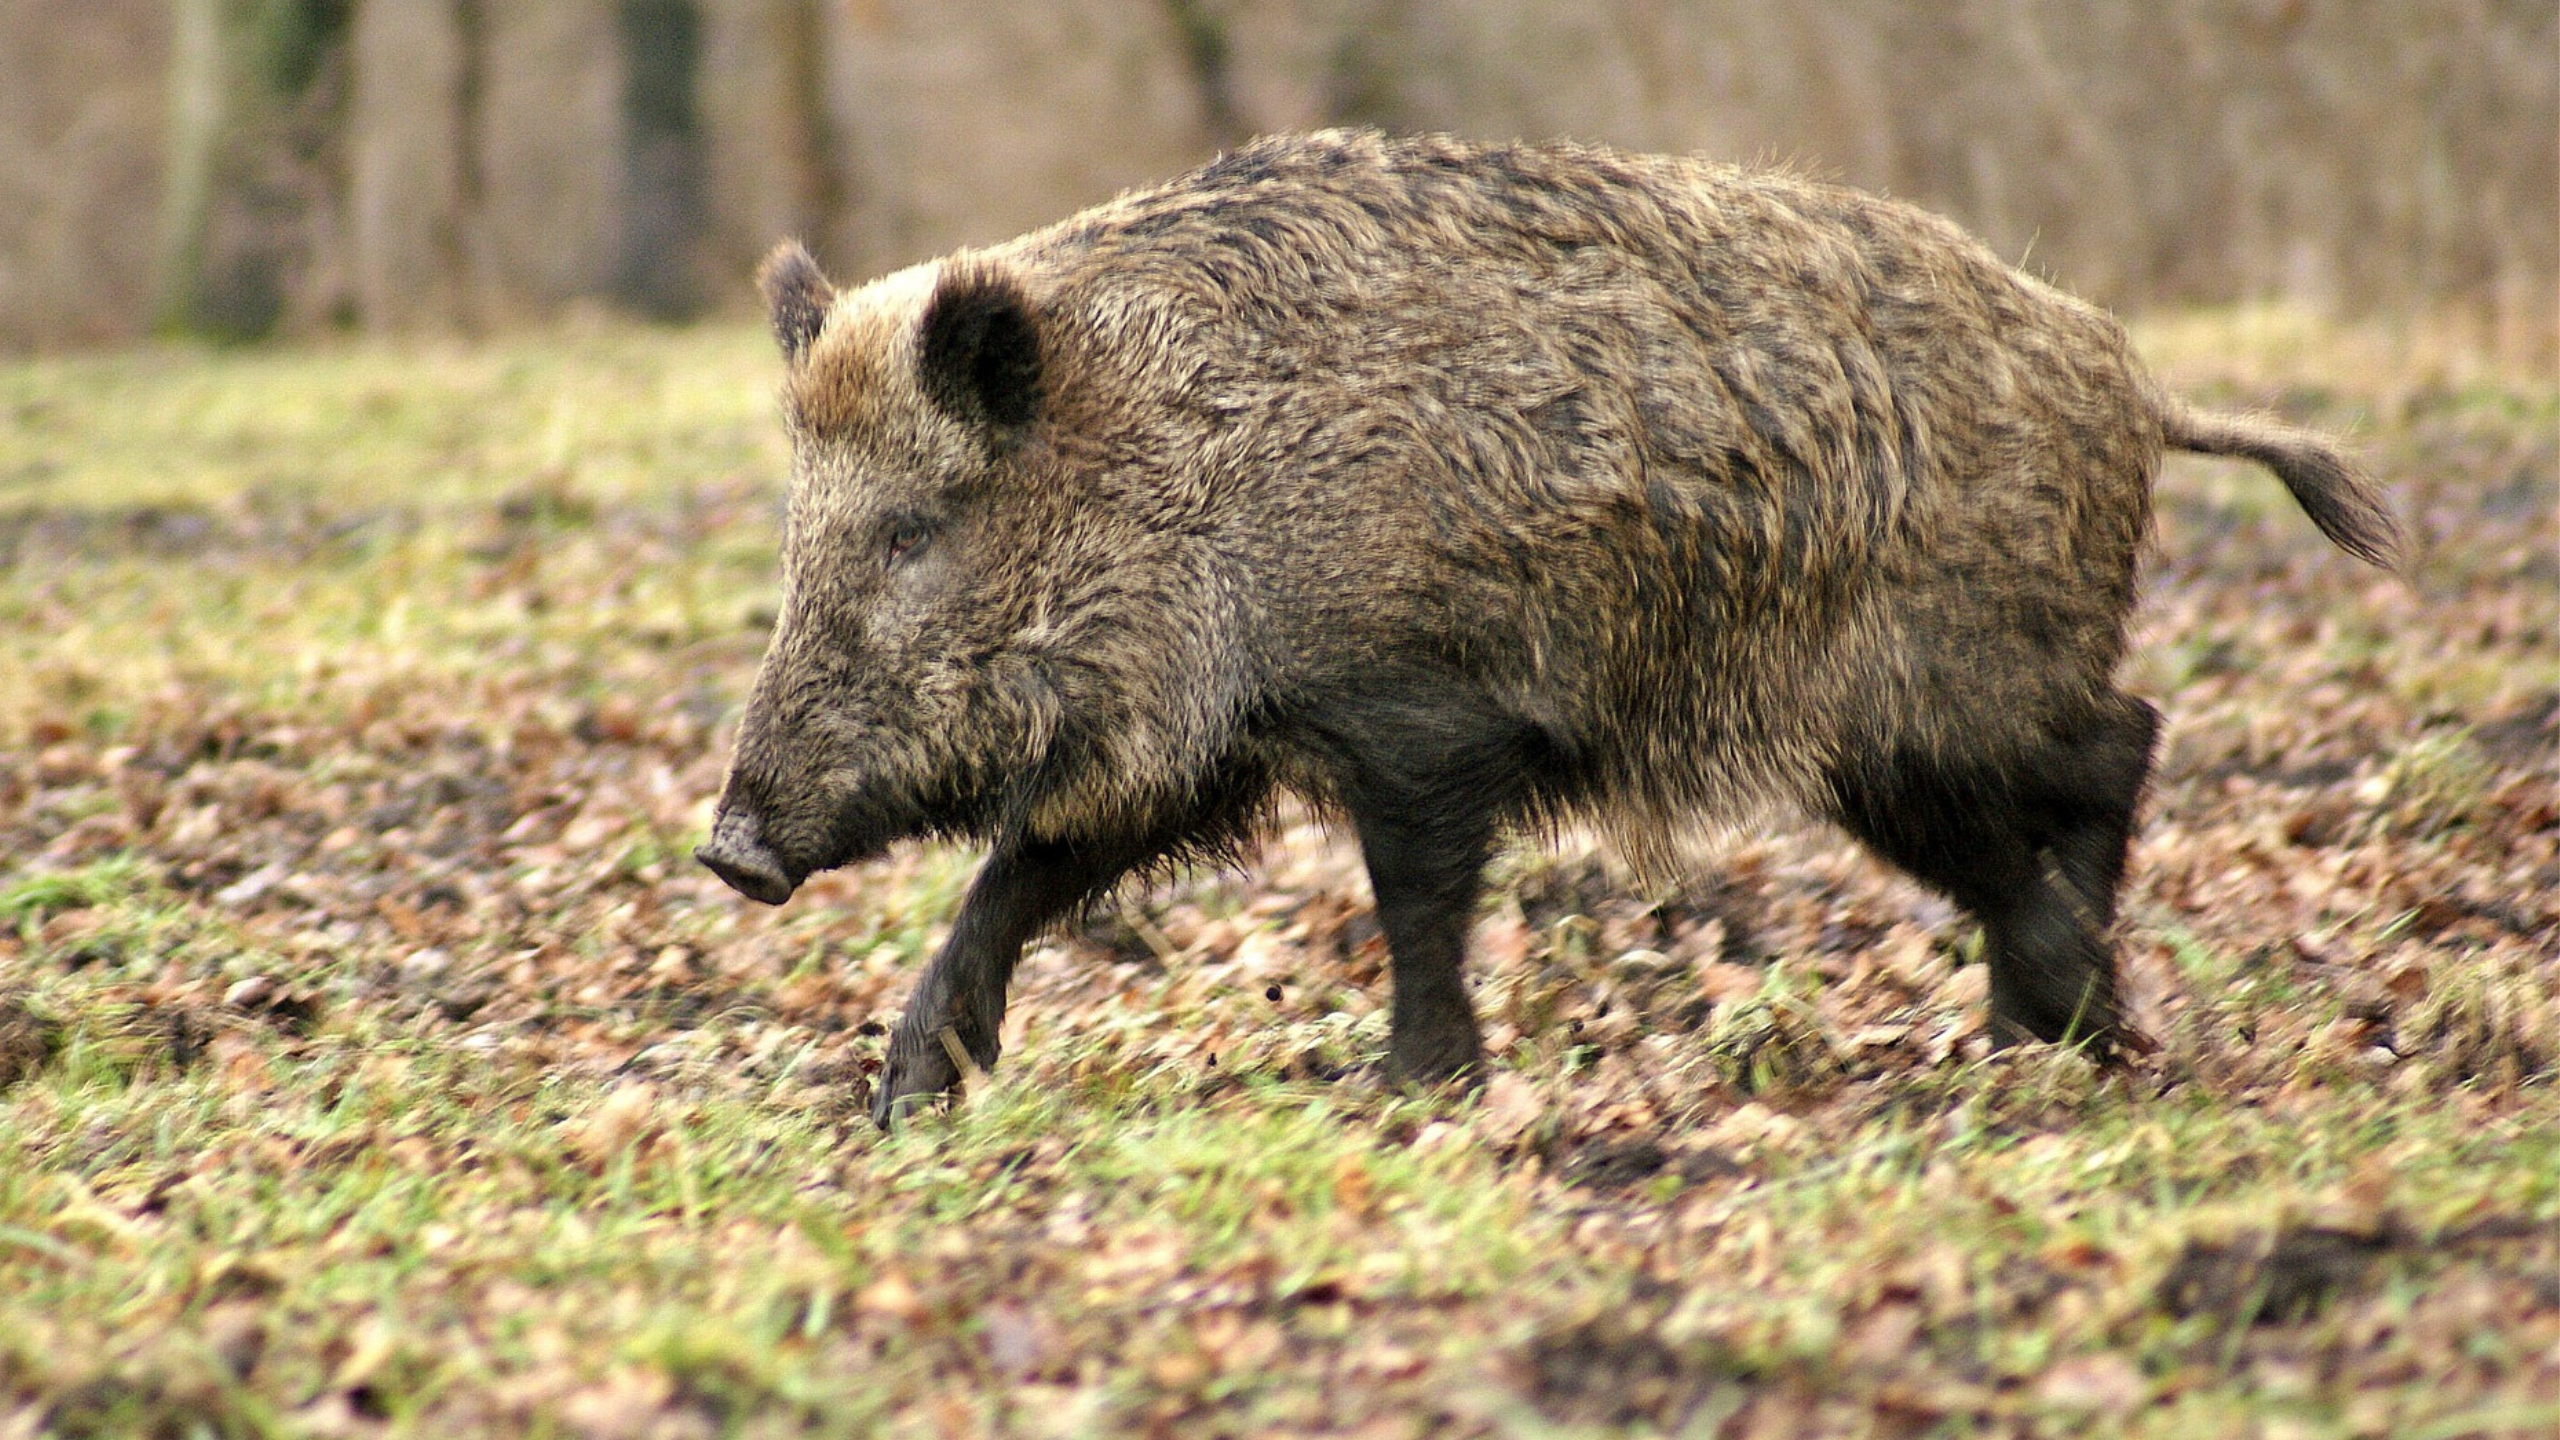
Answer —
1466 491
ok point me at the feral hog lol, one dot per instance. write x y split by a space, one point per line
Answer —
1465 491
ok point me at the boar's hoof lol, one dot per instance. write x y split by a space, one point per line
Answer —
1440 1059
914 1078
735 855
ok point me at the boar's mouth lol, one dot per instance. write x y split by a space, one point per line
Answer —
745 855
737 853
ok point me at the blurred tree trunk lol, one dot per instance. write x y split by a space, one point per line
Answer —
961 122
663 199
771 158
254 98
415 179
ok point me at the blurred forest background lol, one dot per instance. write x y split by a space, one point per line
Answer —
240 168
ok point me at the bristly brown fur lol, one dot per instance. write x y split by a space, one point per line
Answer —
1465 490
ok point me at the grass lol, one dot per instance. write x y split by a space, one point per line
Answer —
372 1061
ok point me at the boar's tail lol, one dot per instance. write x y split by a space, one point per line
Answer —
2341 499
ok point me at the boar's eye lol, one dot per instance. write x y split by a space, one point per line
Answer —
906 535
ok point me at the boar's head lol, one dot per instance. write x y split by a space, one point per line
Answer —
975 637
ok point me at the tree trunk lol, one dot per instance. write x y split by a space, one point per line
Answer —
254 92
663 199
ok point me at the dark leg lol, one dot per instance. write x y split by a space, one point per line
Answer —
2080 814
1427 877
1016 895
2035 850
1428 794
2090 812
2053 973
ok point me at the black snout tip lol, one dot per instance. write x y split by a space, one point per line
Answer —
750 872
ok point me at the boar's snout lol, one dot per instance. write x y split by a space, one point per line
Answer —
736 852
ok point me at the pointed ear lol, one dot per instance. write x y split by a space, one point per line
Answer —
796 295
978 349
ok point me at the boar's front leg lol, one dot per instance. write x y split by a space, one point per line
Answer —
1426 886
1427 799
1020 890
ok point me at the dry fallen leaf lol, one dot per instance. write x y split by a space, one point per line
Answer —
1510 1105
1019 1342
2107 1384
1351 1185
631 1403
615 1125
893 1295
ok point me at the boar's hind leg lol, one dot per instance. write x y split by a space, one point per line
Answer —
2035 850
1020 890
2053 961
2090 804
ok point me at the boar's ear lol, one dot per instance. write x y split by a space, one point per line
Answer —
978 350
796 295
